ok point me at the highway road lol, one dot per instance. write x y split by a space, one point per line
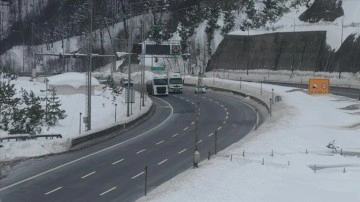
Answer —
114 170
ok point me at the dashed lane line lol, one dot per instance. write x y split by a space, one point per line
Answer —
140 151
105 192
162 141
219 128
116 162
162 162
211 134
87 175
176 134
54 190
184 150
186 128
134 177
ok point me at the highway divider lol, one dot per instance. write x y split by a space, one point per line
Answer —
98 136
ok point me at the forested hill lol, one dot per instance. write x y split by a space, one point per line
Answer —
34 22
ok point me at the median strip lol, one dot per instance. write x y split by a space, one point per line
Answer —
53 190
85 176
105 192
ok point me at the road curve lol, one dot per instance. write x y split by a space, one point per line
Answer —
114 170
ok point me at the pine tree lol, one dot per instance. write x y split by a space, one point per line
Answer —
54 113
8 103
229 20
211 26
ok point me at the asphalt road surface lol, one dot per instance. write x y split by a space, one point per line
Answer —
114 170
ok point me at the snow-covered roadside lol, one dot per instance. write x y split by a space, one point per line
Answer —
103 116
348 80
300 123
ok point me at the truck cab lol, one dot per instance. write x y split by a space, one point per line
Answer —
158 85
175 83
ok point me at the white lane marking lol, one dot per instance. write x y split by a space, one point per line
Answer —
87 175
211 134
227 113
92 154
160 142
225 109
140 151
193 103
222 106
200 141
193 123
226 117
105 192
182 151
219 128
116 162
186 128
162 162
187 100
224 122
217 102
137 175
175 135
54 190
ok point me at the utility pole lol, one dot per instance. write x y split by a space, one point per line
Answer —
88 104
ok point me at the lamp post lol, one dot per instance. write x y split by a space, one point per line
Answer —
80 123
115 111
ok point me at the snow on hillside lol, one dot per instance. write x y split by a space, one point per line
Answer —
337 31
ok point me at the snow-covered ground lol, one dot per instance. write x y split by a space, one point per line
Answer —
103 116
301 127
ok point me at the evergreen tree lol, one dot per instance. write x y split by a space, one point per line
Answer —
8 103
228 23
54 113
34 113
211 26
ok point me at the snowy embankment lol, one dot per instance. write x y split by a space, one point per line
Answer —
103 116
277 162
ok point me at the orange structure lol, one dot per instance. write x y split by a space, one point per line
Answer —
319 86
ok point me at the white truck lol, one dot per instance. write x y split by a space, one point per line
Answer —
158 85
175 83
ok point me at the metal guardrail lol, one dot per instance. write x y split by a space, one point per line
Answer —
28 137
261 102
113 131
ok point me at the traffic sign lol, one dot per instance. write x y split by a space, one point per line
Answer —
157 68
175 49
